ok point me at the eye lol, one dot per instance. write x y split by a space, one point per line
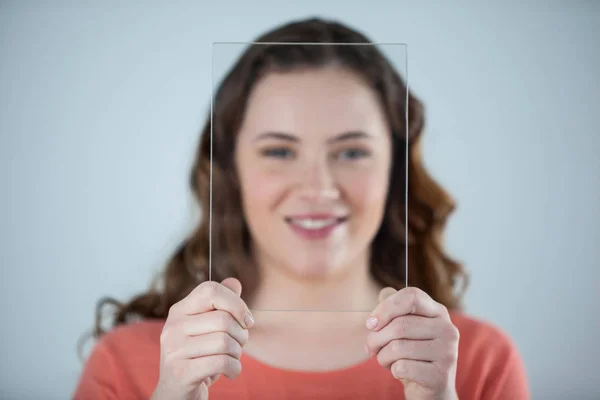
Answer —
353 154
277 152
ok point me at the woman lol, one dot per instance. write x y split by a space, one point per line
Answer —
308 213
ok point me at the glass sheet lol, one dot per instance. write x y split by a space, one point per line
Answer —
304 140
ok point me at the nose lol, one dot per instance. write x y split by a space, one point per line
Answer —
318 183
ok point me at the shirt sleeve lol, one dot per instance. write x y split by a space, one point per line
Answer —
99 379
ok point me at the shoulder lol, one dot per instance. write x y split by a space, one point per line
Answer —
132 347
479 335
478 330
125 338
489 362
124 362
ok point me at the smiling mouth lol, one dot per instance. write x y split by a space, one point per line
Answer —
315 223
315 226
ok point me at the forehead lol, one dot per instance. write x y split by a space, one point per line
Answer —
328 100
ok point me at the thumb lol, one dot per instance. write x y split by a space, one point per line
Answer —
385 293
203 389
233 284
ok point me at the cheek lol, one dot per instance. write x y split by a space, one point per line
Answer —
261 192
366 192
366 197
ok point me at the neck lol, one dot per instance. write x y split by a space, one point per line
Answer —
352 290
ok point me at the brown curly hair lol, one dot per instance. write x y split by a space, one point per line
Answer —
430 268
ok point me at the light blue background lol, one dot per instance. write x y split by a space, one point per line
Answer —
100 110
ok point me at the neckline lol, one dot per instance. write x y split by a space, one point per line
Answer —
297 372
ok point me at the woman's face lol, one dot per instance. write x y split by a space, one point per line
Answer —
313 158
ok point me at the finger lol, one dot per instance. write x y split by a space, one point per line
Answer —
199 369
209 296
417 350
212 379
406 301
215 321
422 372
233 284
386 292
405 327
211 344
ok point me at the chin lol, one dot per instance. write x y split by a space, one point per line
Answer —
314 270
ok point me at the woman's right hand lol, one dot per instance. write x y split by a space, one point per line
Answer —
202 339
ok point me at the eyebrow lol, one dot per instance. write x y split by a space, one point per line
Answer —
350 135
276 135
291 138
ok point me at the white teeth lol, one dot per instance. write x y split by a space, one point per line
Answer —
313 223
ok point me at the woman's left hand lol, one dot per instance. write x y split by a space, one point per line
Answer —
413 336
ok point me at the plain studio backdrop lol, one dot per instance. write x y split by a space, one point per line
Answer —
101 105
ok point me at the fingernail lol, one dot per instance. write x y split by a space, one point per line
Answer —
248 320
371 322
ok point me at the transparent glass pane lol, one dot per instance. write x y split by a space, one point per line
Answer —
308 173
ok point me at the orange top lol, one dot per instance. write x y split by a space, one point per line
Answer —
125 365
